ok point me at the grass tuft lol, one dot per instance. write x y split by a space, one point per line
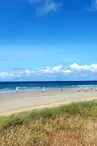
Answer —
72 124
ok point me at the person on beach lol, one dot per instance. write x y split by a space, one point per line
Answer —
61 89
79 90
43 89
17 89
86 89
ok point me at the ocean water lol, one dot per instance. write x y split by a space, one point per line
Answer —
37 86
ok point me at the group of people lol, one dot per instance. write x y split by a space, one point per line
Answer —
43 89
17 89
86 89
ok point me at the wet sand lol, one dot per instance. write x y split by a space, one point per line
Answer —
17 102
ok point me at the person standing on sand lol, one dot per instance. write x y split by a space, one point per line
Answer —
61 89
17 89
43 89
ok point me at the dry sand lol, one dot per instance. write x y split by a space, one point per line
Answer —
18 102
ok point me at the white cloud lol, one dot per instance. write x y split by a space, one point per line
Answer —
44 71
4 74
28 72
77 67
67 71
57 68
48 6
45 6
93 6
73 69
93 68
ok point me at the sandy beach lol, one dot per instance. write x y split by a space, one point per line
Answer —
17 102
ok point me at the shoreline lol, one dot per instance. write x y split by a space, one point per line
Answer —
23 101
40 89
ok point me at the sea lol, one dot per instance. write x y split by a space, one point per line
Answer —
6 87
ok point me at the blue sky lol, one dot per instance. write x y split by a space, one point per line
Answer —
48 40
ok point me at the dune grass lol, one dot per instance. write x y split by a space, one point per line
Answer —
72 124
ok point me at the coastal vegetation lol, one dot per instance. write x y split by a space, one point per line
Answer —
66 125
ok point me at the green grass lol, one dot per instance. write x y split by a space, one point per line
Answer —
81 108
70 124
